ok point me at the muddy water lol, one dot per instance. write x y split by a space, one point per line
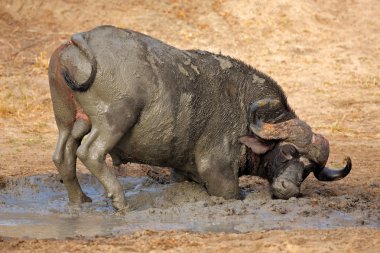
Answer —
36 207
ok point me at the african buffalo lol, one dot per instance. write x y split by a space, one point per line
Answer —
210 117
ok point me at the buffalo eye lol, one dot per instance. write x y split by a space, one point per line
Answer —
289 152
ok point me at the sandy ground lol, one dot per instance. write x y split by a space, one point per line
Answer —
325 54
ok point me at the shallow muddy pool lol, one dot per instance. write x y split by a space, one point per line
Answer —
36 207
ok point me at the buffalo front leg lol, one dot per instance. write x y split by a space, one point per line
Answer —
65 160
218 177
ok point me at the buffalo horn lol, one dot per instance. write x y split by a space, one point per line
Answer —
326 174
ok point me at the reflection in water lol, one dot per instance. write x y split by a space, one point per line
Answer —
36 207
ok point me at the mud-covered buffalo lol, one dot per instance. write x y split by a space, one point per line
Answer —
210 117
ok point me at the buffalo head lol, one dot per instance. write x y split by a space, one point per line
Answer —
289 151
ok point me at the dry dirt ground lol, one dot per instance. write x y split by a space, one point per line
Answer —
325 54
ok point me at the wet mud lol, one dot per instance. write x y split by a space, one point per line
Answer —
37 207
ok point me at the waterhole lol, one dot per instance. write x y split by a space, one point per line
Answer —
37 207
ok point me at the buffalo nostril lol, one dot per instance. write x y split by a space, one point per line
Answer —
284 189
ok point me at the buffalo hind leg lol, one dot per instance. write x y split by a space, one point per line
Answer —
107 130
94 160
65 160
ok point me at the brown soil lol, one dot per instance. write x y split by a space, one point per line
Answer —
339 240
325 54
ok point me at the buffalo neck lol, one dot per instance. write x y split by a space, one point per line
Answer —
251 164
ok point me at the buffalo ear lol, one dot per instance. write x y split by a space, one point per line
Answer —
255 145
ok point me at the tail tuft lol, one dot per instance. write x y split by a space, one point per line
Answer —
76 86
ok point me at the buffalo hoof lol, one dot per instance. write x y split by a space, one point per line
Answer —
121 207
119 203
79 199
85 198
